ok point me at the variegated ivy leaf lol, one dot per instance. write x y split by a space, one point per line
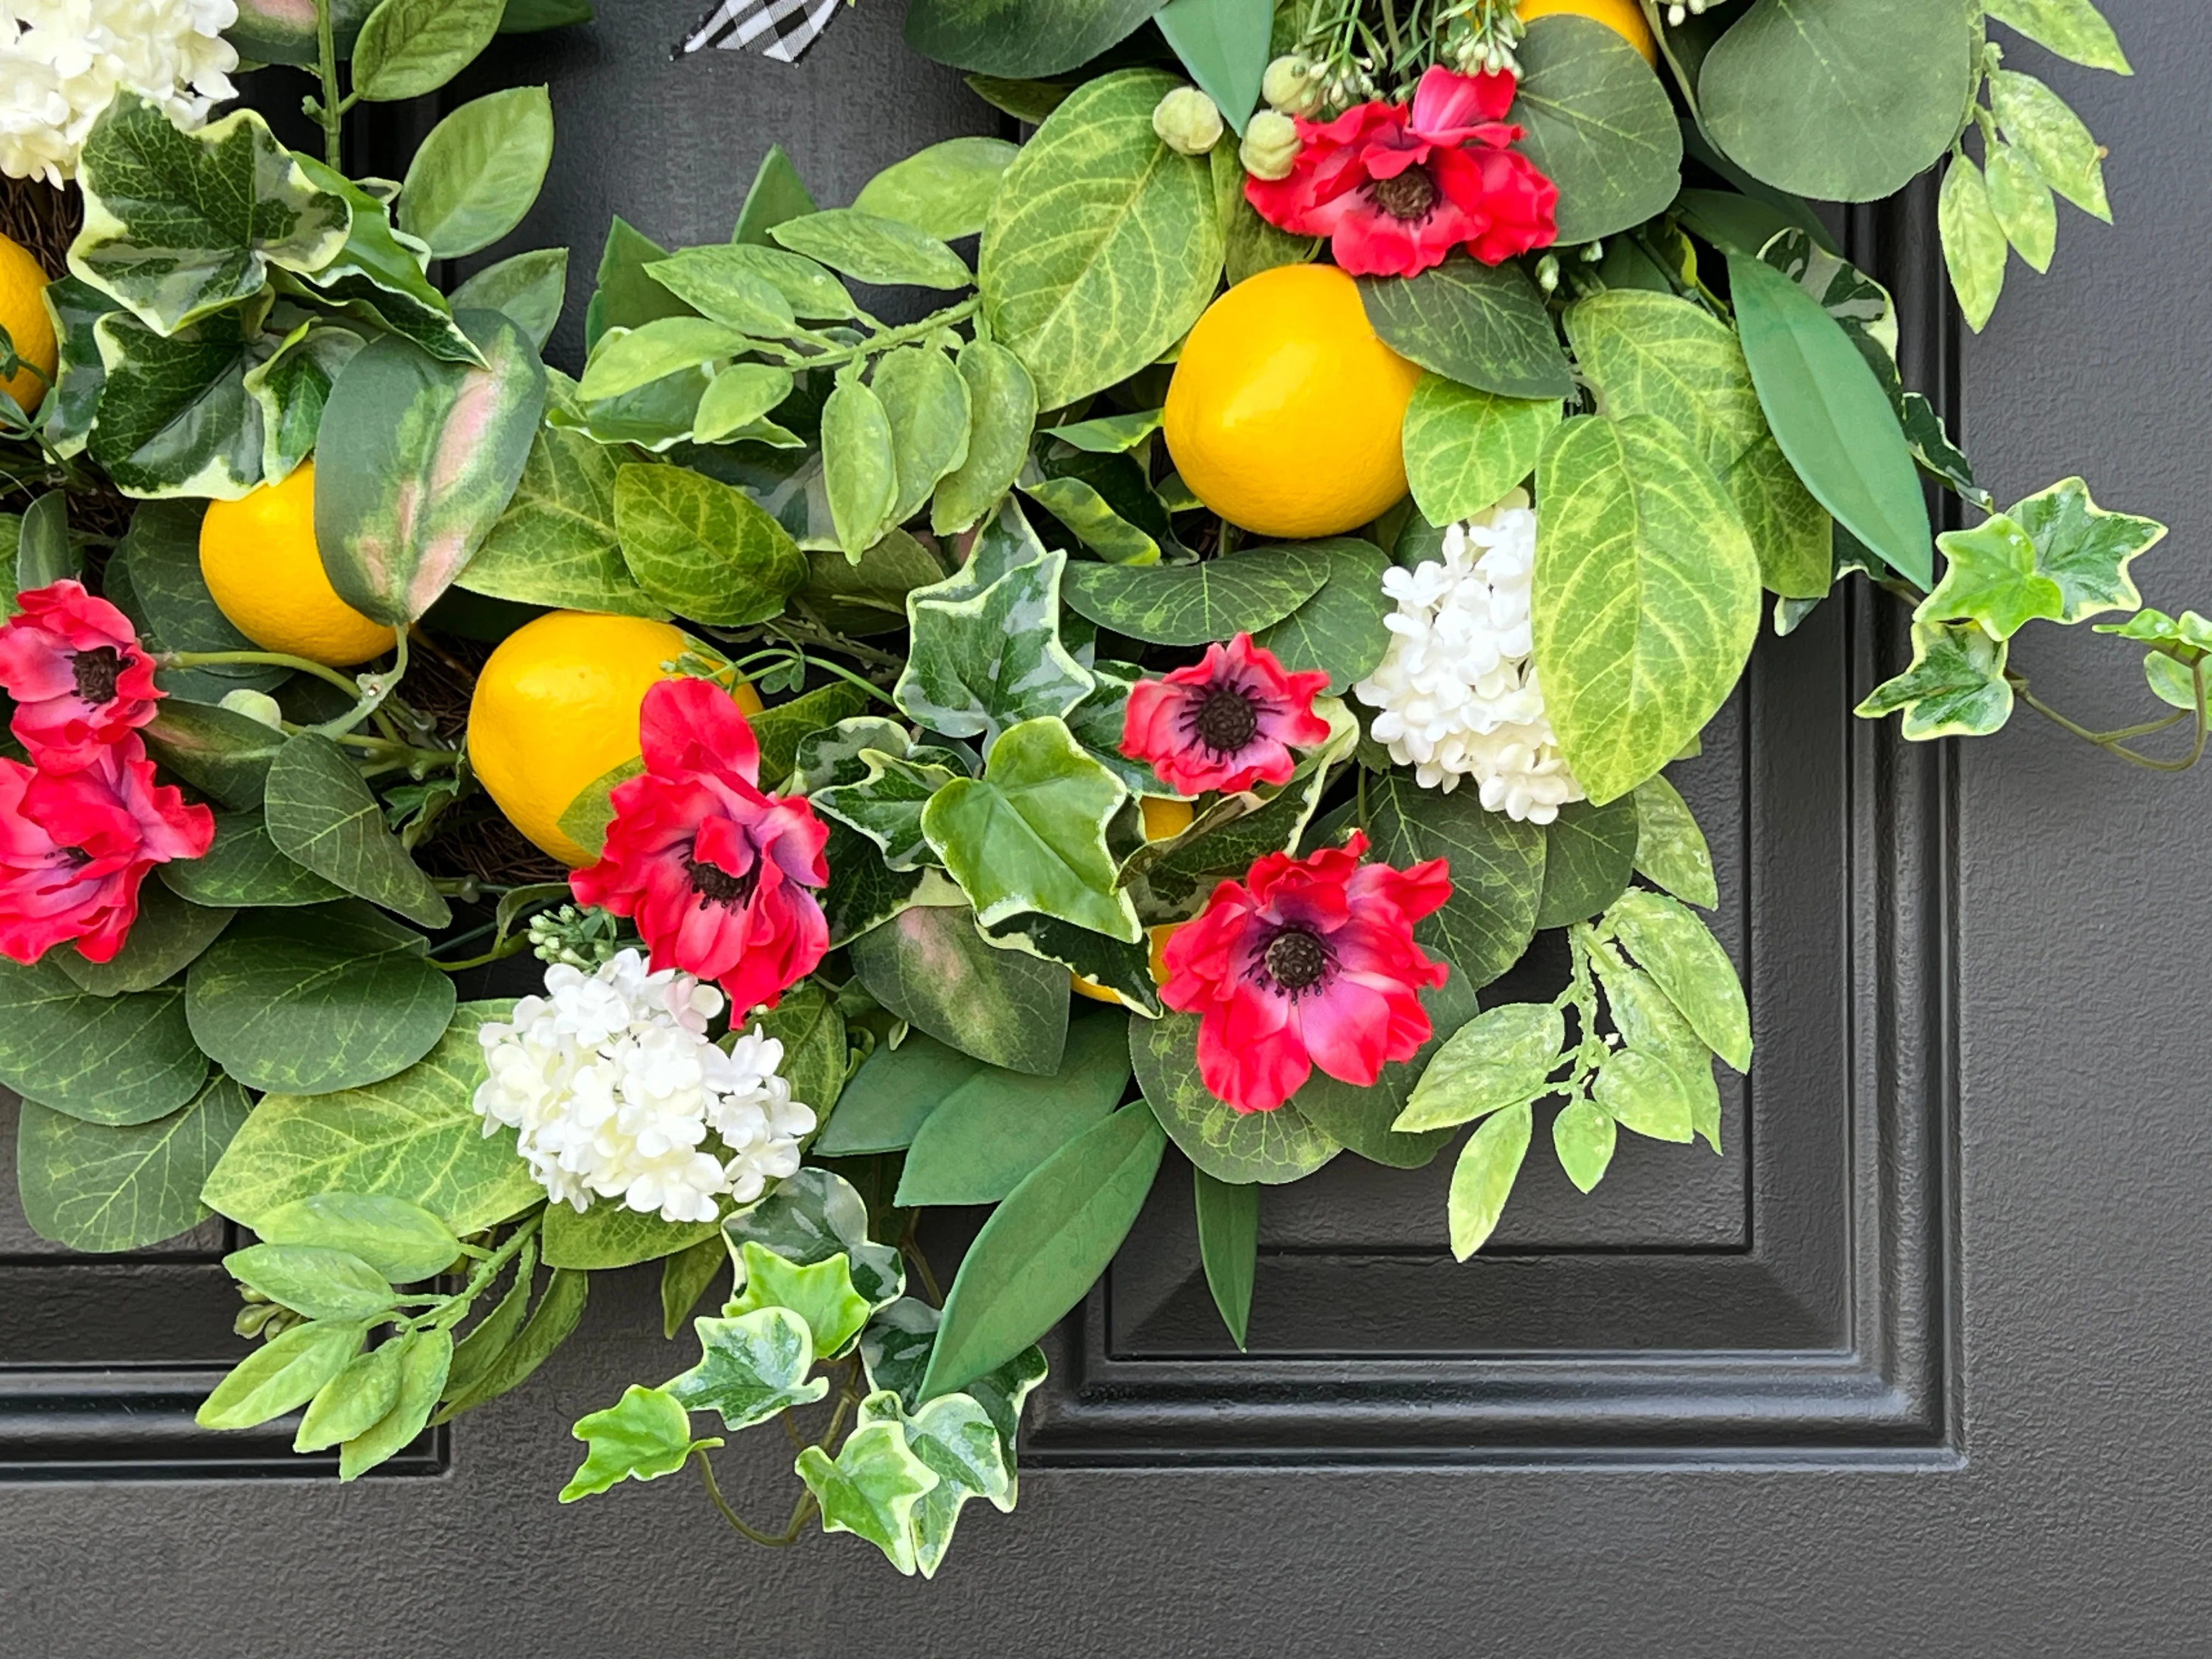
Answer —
871 1489
292 385
2085 549
75 308
177 225
752 1367
833 754
377 276
895 1349
1989 577
956 1439
1029 835
819 1292
885 802
987 652
419 459
646 1435
175 416
811 1217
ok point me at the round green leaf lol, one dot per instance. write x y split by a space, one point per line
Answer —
1465 449
1485 326
244 870
121 1060
702 547
320 814
1599 126
1270 1148
100 1188
1497 868
168 935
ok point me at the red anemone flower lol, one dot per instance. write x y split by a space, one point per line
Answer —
715 873
1307 962
1226 722
78 676
75 847
1396 188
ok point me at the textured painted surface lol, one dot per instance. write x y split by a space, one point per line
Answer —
2076 1525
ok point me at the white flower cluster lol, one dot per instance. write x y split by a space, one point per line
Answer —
614 1087
1457 691
62 61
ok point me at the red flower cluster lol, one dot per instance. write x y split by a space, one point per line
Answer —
1306 962
83 823
715 873
1396 188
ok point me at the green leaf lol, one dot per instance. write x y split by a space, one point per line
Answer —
860 467
779 729
2037 120
321 816
889 252
1589 853
1989 577
820 1292
1002 403
1102 247
280 1377
175 417
168 935
1485 326
984 1135
726 277
611 1235
418 459
1465 449
929 966
1645 597
871 1489
1269 1148
1228 1247
2085 549
1497 867
1044 1246
808 1024
423 1361
895 1349
1687 963
644 1437
738 397
2075 29
927 402
1249 244
1483 1178
1644 1094
1501 1059
550 1324
408 47
1974 247
1013 40
1670 848
1841 100
311 1280
75 308
811 1217
2023 204
354 1401
475 1354
1224 44
99 1189
398 1239
308 1001
1599 126
557 545
413 1136
626 295
115 1060
1341 628
1651 1024
702 547
46 555
179 225
687 1276
627 359
869 597
751 1368
377 278
1583 1135
1193 605
530 288
293 386
243 868
1365 1120
892 1094
1954 688
225 753
944 190
478 172
955 1438
986 655
886 805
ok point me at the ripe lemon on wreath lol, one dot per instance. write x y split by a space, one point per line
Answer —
1164 819
555 710
1623 17
1284 413
23 314
258 558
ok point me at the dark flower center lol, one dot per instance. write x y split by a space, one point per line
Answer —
1224 720
1295 960
76 857
97 672
1408 195
715 885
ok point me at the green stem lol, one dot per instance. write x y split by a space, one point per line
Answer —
879 342
330 113
800 1514
377 688
457 1306
258 659
512 946
843 673
2115 744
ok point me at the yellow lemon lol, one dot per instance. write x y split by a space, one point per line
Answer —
1623 17
1164 820
259 560
1284 413
555 710
23 314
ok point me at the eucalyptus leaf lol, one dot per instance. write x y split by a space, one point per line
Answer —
1268 1148
1599 126
1589 853
1485 326
1496 864
244 869
102 1188
216 749
167 936
117 1061
1342 629
320 815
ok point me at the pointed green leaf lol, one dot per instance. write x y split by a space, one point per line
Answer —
115 1060
944 190
1002 403
1989 577
1651 1024
775 194
410 47
1583 1134
1643 1093
530 288
478 171
99 1189
1974 246
1670 848
1193 605
685 1277
396 1236
354 1401
1269 1148
893 1092
726 286
1496 864
1502 1057
929 965
1465 449
1954 688
1483 1178
646 1435
1599 126
926 400
311 1279
2023 204
1485 326
860 467
702 547
888 252
819 1292
2075 29
1687 963
1228 1247
1224 44
2038 121
752 1366
737 398
550 1324
280 1377
425 1357
871 1489
557 544
321 816
625 360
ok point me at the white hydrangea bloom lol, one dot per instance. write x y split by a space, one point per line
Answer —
62 61
1456 692
615 1092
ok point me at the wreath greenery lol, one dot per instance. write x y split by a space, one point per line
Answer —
1290 511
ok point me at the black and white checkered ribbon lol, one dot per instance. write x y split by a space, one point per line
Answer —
780 29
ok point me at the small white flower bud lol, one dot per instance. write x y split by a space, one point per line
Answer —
1292 86
255 705
1186 120
1547 273
1270 146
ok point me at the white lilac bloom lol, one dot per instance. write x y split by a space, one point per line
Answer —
1456 692
615 1091
62 62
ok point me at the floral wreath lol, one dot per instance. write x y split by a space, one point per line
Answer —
1141 690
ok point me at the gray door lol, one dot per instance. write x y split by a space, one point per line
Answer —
1916 1368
